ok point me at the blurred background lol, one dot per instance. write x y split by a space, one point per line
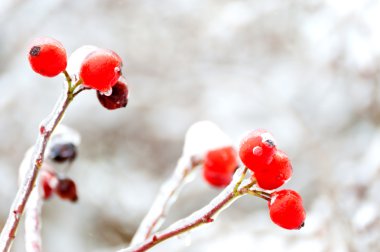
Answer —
308 71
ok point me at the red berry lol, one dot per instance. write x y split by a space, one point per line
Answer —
48 182
276 173
47 57
286 209
257 149
219 166
118 97
101 69
66 189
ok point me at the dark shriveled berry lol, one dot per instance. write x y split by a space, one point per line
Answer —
63 152
117 99
66 189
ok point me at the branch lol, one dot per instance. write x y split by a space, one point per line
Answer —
165 198
17 209
33 221
203 216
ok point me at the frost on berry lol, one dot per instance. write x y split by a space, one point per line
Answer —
286 209
257 149
76 59
101 69
118 97
48 182
47 56
63 145
276 173
219 166
62 152
65 134
204 136
66 189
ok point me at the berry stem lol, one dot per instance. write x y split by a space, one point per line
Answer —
79 82
259 194
8 233
236 188
165 198
203 216
80 90
67 76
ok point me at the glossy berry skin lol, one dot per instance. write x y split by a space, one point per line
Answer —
101 69
286 209
63 152
219 166
276 173
118 97
66 189
47 57
257 149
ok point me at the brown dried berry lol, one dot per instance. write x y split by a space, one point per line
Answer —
118 97
66 189
63 152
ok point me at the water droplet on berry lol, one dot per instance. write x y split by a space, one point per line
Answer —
107 93
118 70
257 151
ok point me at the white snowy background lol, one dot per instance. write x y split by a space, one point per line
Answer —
306 70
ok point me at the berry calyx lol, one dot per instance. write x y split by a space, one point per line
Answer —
63 152
47 57
257 149
66 189
219 166
286 209
101 69
276 173
118 97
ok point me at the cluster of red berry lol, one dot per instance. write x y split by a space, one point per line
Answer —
53 183
100 69
271 168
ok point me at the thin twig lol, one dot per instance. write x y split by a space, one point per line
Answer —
203 216
33 222
17 209
165 198
82 88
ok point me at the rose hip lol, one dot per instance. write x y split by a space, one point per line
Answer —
286 209
219 166
257 149
101 69
47 57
